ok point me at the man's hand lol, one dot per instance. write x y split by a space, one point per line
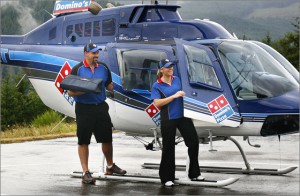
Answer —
110 86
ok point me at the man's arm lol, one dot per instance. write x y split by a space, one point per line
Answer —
165 101
110 86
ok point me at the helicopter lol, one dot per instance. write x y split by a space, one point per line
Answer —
233 87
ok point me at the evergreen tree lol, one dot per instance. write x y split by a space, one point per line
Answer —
288 46
9 98
9 21
40 9
267 40
19 104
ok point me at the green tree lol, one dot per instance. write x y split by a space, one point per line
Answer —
19 104
267 40
40 9
288 46
9 21
9 98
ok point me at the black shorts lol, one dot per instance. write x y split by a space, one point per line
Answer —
93 119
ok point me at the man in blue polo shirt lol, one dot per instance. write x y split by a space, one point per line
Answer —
166 94
92 115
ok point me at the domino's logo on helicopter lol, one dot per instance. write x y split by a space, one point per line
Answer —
64 72
220 108
65 6
153 112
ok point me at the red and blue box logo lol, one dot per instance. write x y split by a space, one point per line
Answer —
63 73
154 113
220 108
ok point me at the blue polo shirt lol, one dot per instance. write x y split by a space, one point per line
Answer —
160 90
100 71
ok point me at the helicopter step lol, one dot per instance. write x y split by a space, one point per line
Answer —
152 179
229 169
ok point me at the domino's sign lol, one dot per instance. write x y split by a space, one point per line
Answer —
71 6
63 73
220 109
154 113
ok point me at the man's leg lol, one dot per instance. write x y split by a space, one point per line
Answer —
111 168
107 150
83 152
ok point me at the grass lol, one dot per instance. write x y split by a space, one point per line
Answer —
22 134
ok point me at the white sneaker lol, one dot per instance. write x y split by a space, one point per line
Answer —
169 183
199 178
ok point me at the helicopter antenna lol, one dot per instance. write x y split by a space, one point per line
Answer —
52 16
154 2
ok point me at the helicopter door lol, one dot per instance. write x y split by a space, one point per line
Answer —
208 95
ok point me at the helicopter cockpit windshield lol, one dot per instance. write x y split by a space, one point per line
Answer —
253 72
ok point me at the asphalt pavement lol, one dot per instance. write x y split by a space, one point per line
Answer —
44 167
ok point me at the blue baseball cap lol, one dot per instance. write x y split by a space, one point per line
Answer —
165 63
91 48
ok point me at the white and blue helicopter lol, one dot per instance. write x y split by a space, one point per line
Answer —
233 87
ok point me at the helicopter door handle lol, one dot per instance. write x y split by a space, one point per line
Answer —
194 93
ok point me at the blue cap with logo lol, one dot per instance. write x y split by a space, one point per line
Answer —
91 48
165 63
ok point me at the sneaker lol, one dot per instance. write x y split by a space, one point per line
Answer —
87 178
115 170
199 178
169 183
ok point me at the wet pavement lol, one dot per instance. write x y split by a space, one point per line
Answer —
44 167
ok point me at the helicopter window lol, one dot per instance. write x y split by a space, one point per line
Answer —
254 73
138 68
159 14
96 29
150 15
189 32
87 29
69 30
108 27
78 29
132 14
52 33
169 14
200 67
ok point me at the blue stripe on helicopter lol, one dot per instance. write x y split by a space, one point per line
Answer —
255 115
39 61
196 102
40 58
38 66
116 79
